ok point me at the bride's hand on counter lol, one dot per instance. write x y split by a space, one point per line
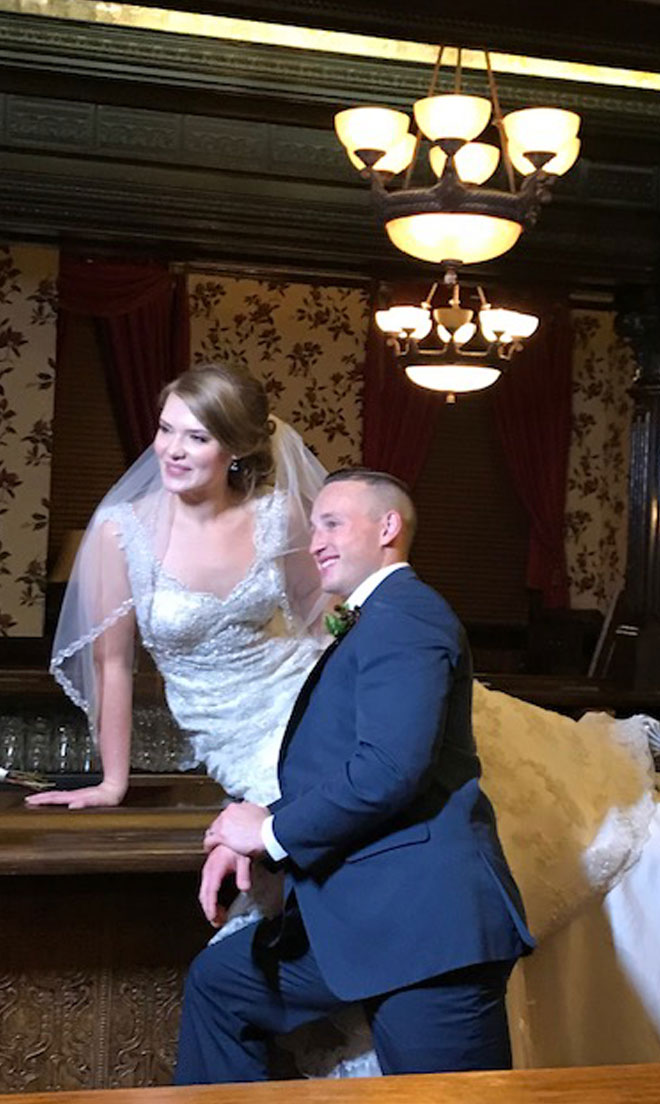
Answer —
105 795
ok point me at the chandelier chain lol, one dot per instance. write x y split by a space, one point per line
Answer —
499 123
418 134
458 72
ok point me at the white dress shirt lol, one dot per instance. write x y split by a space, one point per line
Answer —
356 598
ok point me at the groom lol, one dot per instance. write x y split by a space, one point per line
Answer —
397 893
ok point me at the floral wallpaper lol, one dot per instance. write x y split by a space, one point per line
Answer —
597 492
305 341
27 374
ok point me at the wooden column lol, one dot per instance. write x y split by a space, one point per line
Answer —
636 658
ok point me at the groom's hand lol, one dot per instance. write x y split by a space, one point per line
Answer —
239 828
219 865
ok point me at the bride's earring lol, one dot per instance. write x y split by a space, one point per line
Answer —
235 465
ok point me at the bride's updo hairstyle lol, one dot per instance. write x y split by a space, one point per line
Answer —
232 405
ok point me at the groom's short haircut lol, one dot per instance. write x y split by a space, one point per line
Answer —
392 493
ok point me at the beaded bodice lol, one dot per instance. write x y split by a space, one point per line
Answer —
232 666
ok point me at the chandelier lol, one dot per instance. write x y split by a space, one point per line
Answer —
466 355
457 221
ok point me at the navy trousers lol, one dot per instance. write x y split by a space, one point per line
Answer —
456 1021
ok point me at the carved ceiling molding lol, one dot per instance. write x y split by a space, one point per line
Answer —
257 151
285 75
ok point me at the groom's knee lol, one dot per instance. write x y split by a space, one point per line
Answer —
208 974
223 970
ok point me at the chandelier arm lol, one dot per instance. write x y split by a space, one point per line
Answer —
393 342
458 71
449 353
515 346
418 134
429 297
499 123
436 72
411 166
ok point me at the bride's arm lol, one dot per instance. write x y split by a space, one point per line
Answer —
113 665
113 661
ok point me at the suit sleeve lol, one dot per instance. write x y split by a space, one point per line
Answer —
404 676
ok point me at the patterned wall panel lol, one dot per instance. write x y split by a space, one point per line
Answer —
27 372
306 342
597 493
94 1001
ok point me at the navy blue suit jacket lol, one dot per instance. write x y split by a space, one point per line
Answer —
393 850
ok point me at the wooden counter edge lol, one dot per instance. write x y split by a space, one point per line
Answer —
637 1084
62 841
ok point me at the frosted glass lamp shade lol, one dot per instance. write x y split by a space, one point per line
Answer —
413 321
506 325
463 237
455 378
541 129
395 161
438 160
452 116
373 128
461 336
559 164
475 161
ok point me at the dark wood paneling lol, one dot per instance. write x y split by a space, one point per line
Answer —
87 454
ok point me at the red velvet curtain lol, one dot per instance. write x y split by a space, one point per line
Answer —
399 417
142 316
533 411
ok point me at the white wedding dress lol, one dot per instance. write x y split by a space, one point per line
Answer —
574 800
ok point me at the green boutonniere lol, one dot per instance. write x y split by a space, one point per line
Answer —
341 619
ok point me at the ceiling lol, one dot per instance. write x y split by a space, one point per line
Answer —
204 131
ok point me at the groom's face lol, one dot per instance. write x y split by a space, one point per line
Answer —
347 536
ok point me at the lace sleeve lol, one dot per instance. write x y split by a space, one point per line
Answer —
97 600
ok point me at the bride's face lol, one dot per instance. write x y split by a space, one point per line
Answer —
192 463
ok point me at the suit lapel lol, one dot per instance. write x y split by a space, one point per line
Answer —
301 701
314 675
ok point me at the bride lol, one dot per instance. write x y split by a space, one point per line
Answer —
203 543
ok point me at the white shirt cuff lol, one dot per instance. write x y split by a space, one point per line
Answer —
270 841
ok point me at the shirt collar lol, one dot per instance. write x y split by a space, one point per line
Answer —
368 585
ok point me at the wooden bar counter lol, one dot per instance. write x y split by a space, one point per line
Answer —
98 922
601 1085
